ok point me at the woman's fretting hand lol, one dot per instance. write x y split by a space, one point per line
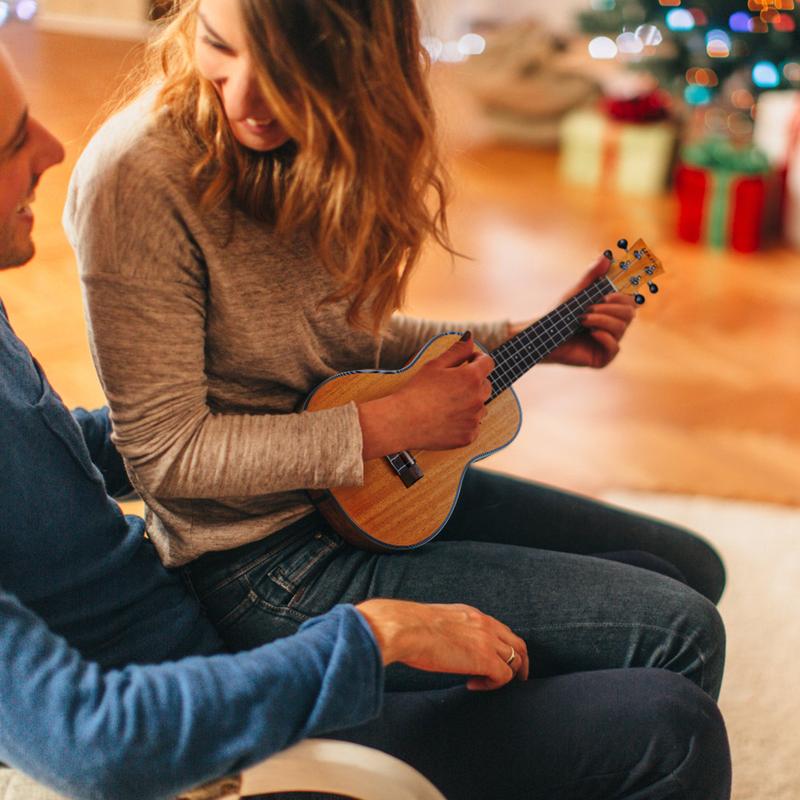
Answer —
455 639
604 325
439 408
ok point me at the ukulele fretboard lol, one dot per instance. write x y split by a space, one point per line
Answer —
517 355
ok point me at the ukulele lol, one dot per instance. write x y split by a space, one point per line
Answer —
407 497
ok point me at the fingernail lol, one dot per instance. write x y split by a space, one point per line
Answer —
466 337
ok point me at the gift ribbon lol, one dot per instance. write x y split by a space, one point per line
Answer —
725 164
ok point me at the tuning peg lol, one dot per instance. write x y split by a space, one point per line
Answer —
622 244
639 298
652 287
609 255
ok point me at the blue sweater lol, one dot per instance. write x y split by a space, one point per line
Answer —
102 692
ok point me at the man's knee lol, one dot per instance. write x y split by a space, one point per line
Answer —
683 745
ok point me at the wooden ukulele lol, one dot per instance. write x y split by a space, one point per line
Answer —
407 497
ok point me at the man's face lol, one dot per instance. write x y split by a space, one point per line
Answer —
26 151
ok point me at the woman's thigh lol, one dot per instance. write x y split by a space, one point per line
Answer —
575 612
500 508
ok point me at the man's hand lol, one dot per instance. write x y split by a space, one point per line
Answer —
453 638
604 324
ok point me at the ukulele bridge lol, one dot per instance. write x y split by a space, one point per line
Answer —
406 467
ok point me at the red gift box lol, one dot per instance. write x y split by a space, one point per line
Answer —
731 214
725 194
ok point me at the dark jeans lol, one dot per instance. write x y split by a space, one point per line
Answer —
551 565
633 734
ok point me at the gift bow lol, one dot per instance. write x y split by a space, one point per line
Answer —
720 154
651 107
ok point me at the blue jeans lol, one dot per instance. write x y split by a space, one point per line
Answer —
618 612
523 553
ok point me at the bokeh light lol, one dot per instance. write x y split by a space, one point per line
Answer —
629 42
784 23
791 71
4 12
679 19
718 43
26 9
649 35
434 46
741 98
766 75
740 22
472 44
602 47
697 95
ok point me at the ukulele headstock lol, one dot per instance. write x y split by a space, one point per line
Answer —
635 270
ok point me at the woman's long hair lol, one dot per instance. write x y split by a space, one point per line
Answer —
362 175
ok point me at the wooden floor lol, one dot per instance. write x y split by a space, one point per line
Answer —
705 397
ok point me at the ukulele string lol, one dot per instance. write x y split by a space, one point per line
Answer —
516 356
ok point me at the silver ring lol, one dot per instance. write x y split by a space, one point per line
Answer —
510 659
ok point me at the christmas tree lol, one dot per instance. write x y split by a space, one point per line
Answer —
722 52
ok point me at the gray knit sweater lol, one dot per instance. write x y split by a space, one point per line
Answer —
208 334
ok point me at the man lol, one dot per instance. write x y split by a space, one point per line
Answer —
112 683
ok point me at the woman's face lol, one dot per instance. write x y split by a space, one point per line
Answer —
223 58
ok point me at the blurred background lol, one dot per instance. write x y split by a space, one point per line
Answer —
568 126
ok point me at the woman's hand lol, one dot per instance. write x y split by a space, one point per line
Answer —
454 638
604 324
439 408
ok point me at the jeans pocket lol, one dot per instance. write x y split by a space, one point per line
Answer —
297 568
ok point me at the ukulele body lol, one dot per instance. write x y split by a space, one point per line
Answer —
384 514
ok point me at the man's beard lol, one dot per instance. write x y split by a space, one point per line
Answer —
13 254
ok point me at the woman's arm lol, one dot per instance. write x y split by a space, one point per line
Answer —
147 296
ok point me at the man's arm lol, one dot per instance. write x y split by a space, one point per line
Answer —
96 429
150 732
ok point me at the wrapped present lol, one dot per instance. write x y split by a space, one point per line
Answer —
777 133
724 194
627 145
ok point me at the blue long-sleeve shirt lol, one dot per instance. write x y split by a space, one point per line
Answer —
102 692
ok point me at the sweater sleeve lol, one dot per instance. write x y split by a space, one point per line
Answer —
407 335
147 296
96 429
153 731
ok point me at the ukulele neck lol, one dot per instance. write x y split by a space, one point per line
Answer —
517 355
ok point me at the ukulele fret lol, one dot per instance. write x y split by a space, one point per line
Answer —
517 355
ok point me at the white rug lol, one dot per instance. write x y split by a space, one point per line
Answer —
760 699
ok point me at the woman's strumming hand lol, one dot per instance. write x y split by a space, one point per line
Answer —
451 638
439 408
604 325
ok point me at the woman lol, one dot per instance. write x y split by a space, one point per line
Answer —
245 230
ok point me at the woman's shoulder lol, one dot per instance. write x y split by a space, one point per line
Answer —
134 147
